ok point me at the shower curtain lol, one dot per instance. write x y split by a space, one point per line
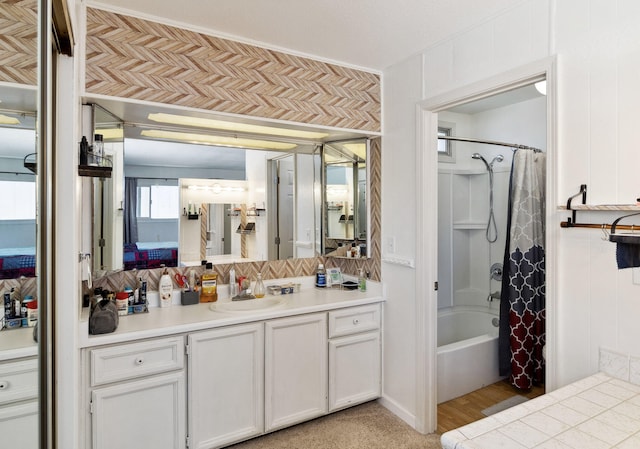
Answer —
522 305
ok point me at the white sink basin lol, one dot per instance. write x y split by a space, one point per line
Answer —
248 305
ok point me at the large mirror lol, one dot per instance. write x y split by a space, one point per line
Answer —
187 196
17 183
346 210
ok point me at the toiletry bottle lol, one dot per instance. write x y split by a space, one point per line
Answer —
98 150
84 151
321 276
165 288
259 290
362 281
209 285
233 286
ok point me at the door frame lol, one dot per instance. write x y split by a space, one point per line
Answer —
426 163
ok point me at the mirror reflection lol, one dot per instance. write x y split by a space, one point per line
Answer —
345 198
17 194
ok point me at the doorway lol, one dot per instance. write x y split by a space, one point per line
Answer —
430 112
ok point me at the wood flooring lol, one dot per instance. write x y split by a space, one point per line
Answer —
468 408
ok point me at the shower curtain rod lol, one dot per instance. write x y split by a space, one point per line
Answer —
491 142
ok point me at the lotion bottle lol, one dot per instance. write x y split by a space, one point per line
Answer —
165 289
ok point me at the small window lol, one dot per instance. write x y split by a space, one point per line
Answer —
446 147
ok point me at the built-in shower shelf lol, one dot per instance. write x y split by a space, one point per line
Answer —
469 225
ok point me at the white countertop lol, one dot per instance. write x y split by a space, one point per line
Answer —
17 343
178 319
597 412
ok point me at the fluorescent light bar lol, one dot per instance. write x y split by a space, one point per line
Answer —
234 127
111 133
232 142
6 120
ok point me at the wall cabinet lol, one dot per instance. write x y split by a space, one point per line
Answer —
295 369
19 403
225 385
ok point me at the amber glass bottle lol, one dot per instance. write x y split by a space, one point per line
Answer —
209 285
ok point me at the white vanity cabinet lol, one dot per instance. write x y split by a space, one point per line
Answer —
137 394
225 385
19 403
354 356
295 369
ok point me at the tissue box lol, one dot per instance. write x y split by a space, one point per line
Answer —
189 297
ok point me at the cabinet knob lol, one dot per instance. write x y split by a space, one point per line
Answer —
4 384
139 360
356 321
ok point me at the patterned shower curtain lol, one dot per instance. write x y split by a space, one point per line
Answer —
522 305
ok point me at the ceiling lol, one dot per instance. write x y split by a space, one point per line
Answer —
370 34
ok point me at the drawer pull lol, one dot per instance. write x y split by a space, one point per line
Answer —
139 361
356 321
4 385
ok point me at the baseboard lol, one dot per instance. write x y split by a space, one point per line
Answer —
398 410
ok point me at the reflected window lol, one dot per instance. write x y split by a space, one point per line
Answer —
158 202
18 200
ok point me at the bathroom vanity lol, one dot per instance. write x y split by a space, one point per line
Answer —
197 377
18 388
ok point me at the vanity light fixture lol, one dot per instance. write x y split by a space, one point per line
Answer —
233 142
6 120
173 119
216 188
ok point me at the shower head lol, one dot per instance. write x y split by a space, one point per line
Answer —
479 156
498 158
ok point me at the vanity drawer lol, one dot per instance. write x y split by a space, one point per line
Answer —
18 381
133 360
354 320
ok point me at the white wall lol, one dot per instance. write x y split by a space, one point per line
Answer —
597 44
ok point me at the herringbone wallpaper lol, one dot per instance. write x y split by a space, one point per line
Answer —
143 60
19 41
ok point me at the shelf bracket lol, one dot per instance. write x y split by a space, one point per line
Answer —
583 192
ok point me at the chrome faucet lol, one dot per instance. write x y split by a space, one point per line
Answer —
494 295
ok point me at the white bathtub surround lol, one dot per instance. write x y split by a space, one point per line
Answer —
467 351
601 411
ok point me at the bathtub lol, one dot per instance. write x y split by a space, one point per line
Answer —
467 350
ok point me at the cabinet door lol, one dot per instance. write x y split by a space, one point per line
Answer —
19 426
354 369
146 413
226 385
295 369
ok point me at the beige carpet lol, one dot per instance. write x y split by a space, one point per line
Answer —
369 426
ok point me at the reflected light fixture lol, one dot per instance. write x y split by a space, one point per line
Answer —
359 149
173 119
541 86
6 120
222 141
111 133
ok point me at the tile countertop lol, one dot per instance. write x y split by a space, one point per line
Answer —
178 318
17 343
597 412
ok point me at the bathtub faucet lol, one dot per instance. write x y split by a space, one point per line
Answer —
494 295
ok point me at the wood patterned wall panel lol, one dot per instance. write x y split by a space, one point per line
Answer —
138 59
19 41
